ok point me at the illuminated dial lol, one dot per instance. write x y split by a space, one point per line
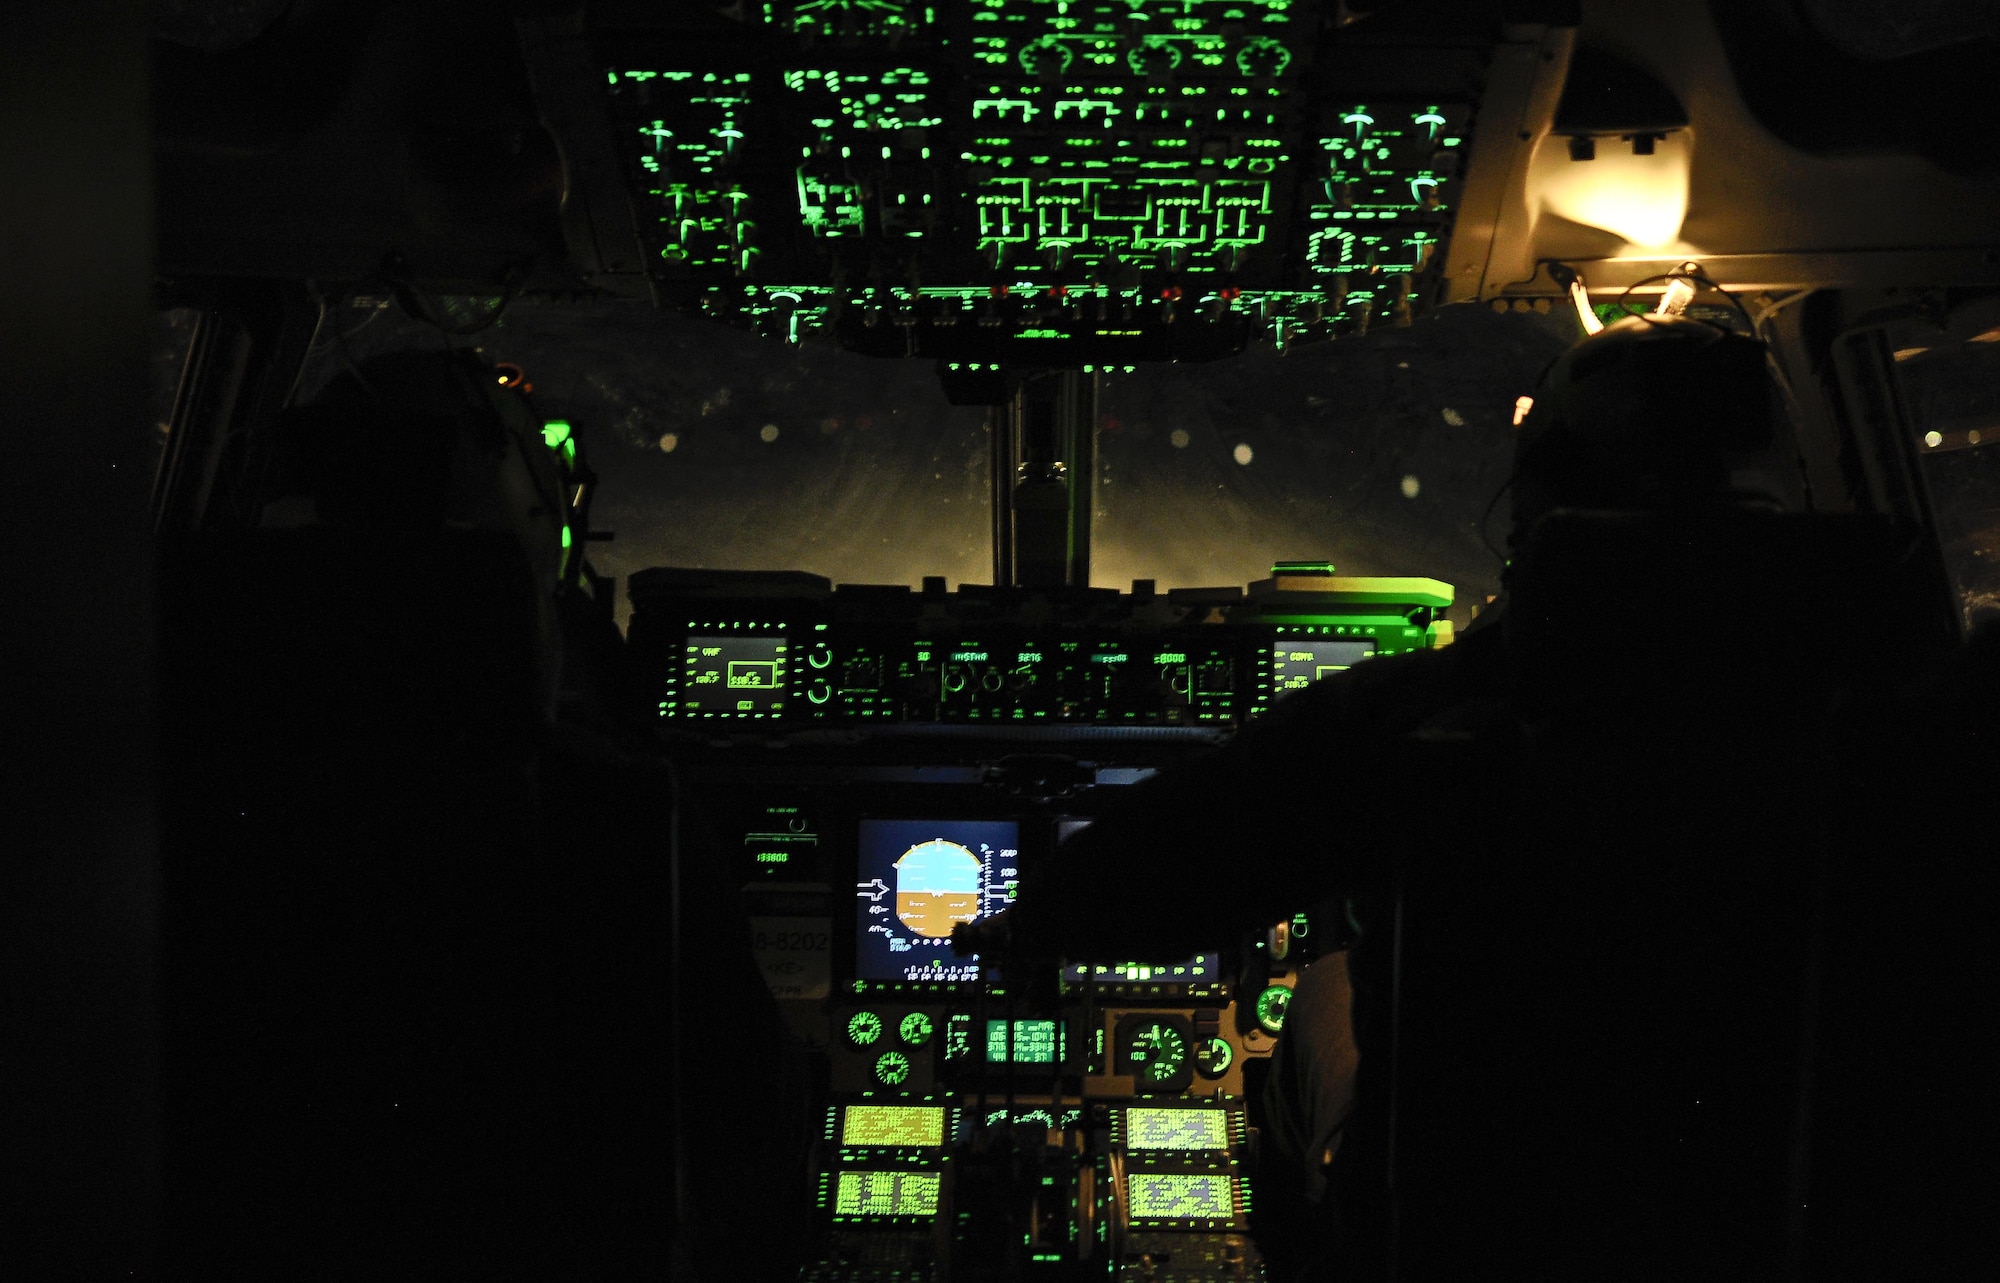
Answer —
1213 1057
1271 1006
1155 1051
863 1028
916 1029
892 1068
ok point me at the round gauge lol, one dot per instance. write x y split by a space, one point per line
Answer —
863 1028
1271 1006
1155 1050
1213 1057
916 1029
892 1068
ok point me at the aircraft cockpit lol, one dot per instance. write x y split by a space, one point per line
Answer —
661 514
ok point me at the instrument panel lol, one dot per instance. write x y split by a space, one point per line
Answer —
860 655
857 749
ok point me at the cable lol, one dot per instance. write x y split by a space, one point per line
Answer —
1486 518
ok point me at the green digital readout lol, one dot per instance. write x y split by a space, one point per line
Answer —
1176 1129
903 1193
1036 1042
1205 1197
901 1125
734 676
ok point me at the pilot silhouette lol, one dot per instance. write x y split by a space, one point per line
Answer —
1577 1032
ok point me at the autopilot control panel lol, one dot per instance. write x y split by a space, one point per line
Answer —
881 765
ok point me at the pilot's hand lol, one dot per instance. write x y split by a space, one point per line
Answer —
991 937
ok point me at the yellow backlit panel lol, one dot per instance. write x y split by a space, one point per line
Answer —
892 1125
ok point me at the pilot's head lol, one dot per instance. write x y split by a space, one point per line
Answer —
1651 414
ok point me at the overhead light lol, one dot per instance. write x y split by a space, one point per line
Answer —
1639 196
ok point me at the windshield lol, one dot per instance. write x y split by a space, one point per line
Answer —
718 449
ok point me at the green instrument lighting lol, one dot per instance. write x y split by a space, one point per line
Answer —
1271 1005
555 432
916 1029
1213 1057
863 1028
892 1068
1157 1052
893 1125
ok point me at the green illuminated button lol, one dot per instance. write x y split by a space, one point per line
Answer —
892 1068
1213 1057
1271 1006
863 1028
916 1029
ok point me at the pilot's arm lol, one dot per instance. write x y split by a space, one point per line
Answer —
1296 808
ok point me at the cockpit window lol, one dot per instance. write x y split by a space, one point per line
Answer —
720 449
1378 453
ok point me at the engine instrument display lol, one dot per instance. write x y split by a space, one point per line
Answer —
901 1126
886 1194
1298 662
1176 1129
734 677
1156 1051
1036 1042
917 880
1203 1198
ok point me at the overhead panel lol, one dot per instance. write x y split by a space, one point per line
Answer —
1050 182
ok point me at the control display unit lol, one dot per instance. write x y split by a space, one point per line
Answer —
900 1195
917 880
1176 1130
892 1126
1203 1200
734 677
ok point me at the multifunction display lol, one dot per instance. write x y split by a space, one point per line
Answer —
1202 968
734 677
906 1126
1298 662
894 1193
1203 1198
917 880
1176 1129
